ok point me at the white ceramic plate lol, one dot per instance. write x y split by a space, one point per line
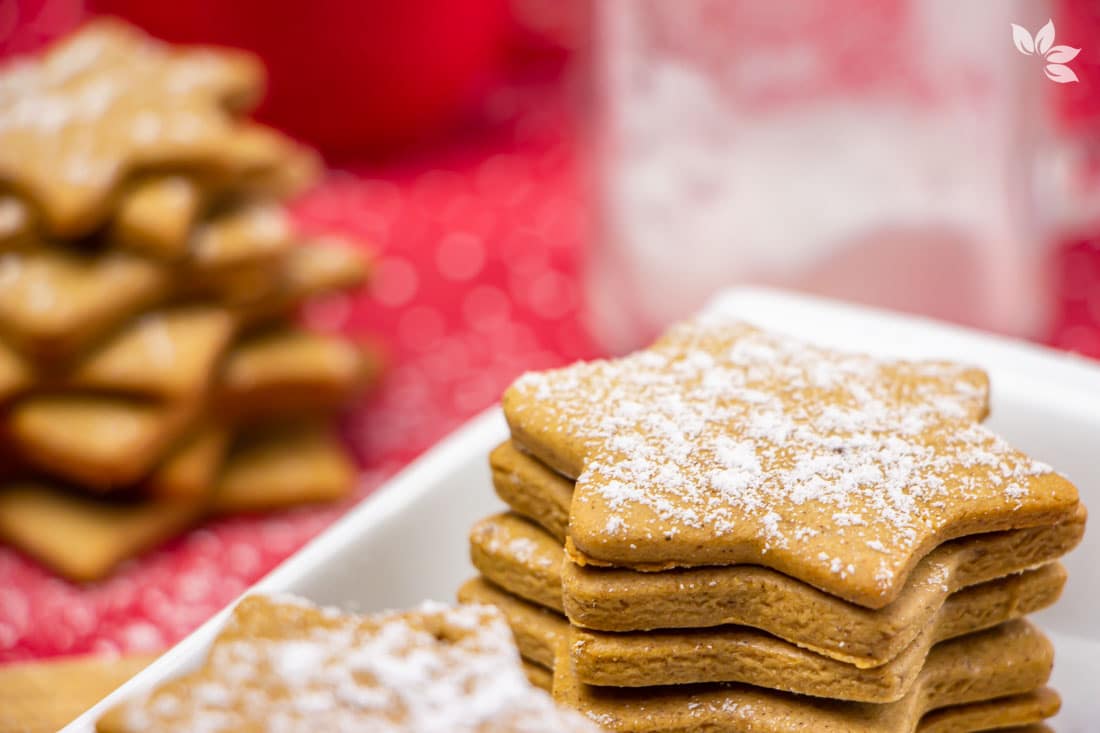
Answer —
407 541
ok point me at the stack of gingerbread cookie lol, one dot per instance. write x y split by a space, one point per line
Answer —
734 530
150 371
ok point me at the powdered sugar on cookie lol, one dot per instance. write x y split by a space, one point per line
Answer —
721 433
495 540
109 99
289 667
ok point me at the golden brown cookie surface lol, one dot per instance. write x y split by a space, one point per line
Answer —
1011 659
436 668
520 557
539 676
610 599
280 466
531 488
509 552
320 266
723 444
54 301
109 100
190 470
85 538
15 222
168 353
326 264
102 442
740 654
289 370
155 216
538 631
996 714
253 232
15 374
44 696
238 255
143 231
620 599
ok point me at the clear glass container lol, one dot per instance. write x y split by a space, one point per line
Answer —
897 153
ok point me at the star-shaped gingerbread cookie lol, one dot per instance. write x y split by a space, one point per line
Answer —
109 102
723 444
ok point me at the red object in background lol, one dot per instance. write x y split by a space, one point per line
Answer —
348 76
1079 102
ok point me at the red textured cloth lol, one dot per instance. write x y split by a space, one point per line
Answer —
480 246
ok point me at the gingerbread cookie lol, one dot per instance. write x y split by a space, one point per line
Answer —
538 631
1013 659
740 654
267 163
238 255
106 102
508 552
142 238
280 466
256 232
437 668
15 222
54 301
168 353
320 266
539 676
532 489
85 538
15 374
519 557
43 696
325 264
619 599
156 215
722 444
287 370
190 471
752 596
733 655
102 442
995 714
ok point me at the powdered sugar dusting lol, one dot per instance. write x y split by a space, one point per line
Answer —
497 540
724 428
102 100
438 668
13 216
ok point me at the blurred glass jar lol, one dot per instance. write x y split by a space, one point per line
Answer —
896 153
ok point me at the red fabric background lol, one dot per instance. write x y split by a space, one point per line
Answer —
480 241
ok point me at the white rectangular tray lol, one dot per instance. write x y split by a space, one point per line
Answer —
407 541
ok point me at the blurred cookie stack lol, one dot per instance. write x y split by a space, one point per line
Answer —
150 370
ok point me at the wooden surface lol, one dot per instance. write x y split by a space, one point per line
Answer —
42 697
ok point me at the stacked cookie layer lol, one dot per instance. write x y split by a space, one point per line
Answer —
150 371
735 531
